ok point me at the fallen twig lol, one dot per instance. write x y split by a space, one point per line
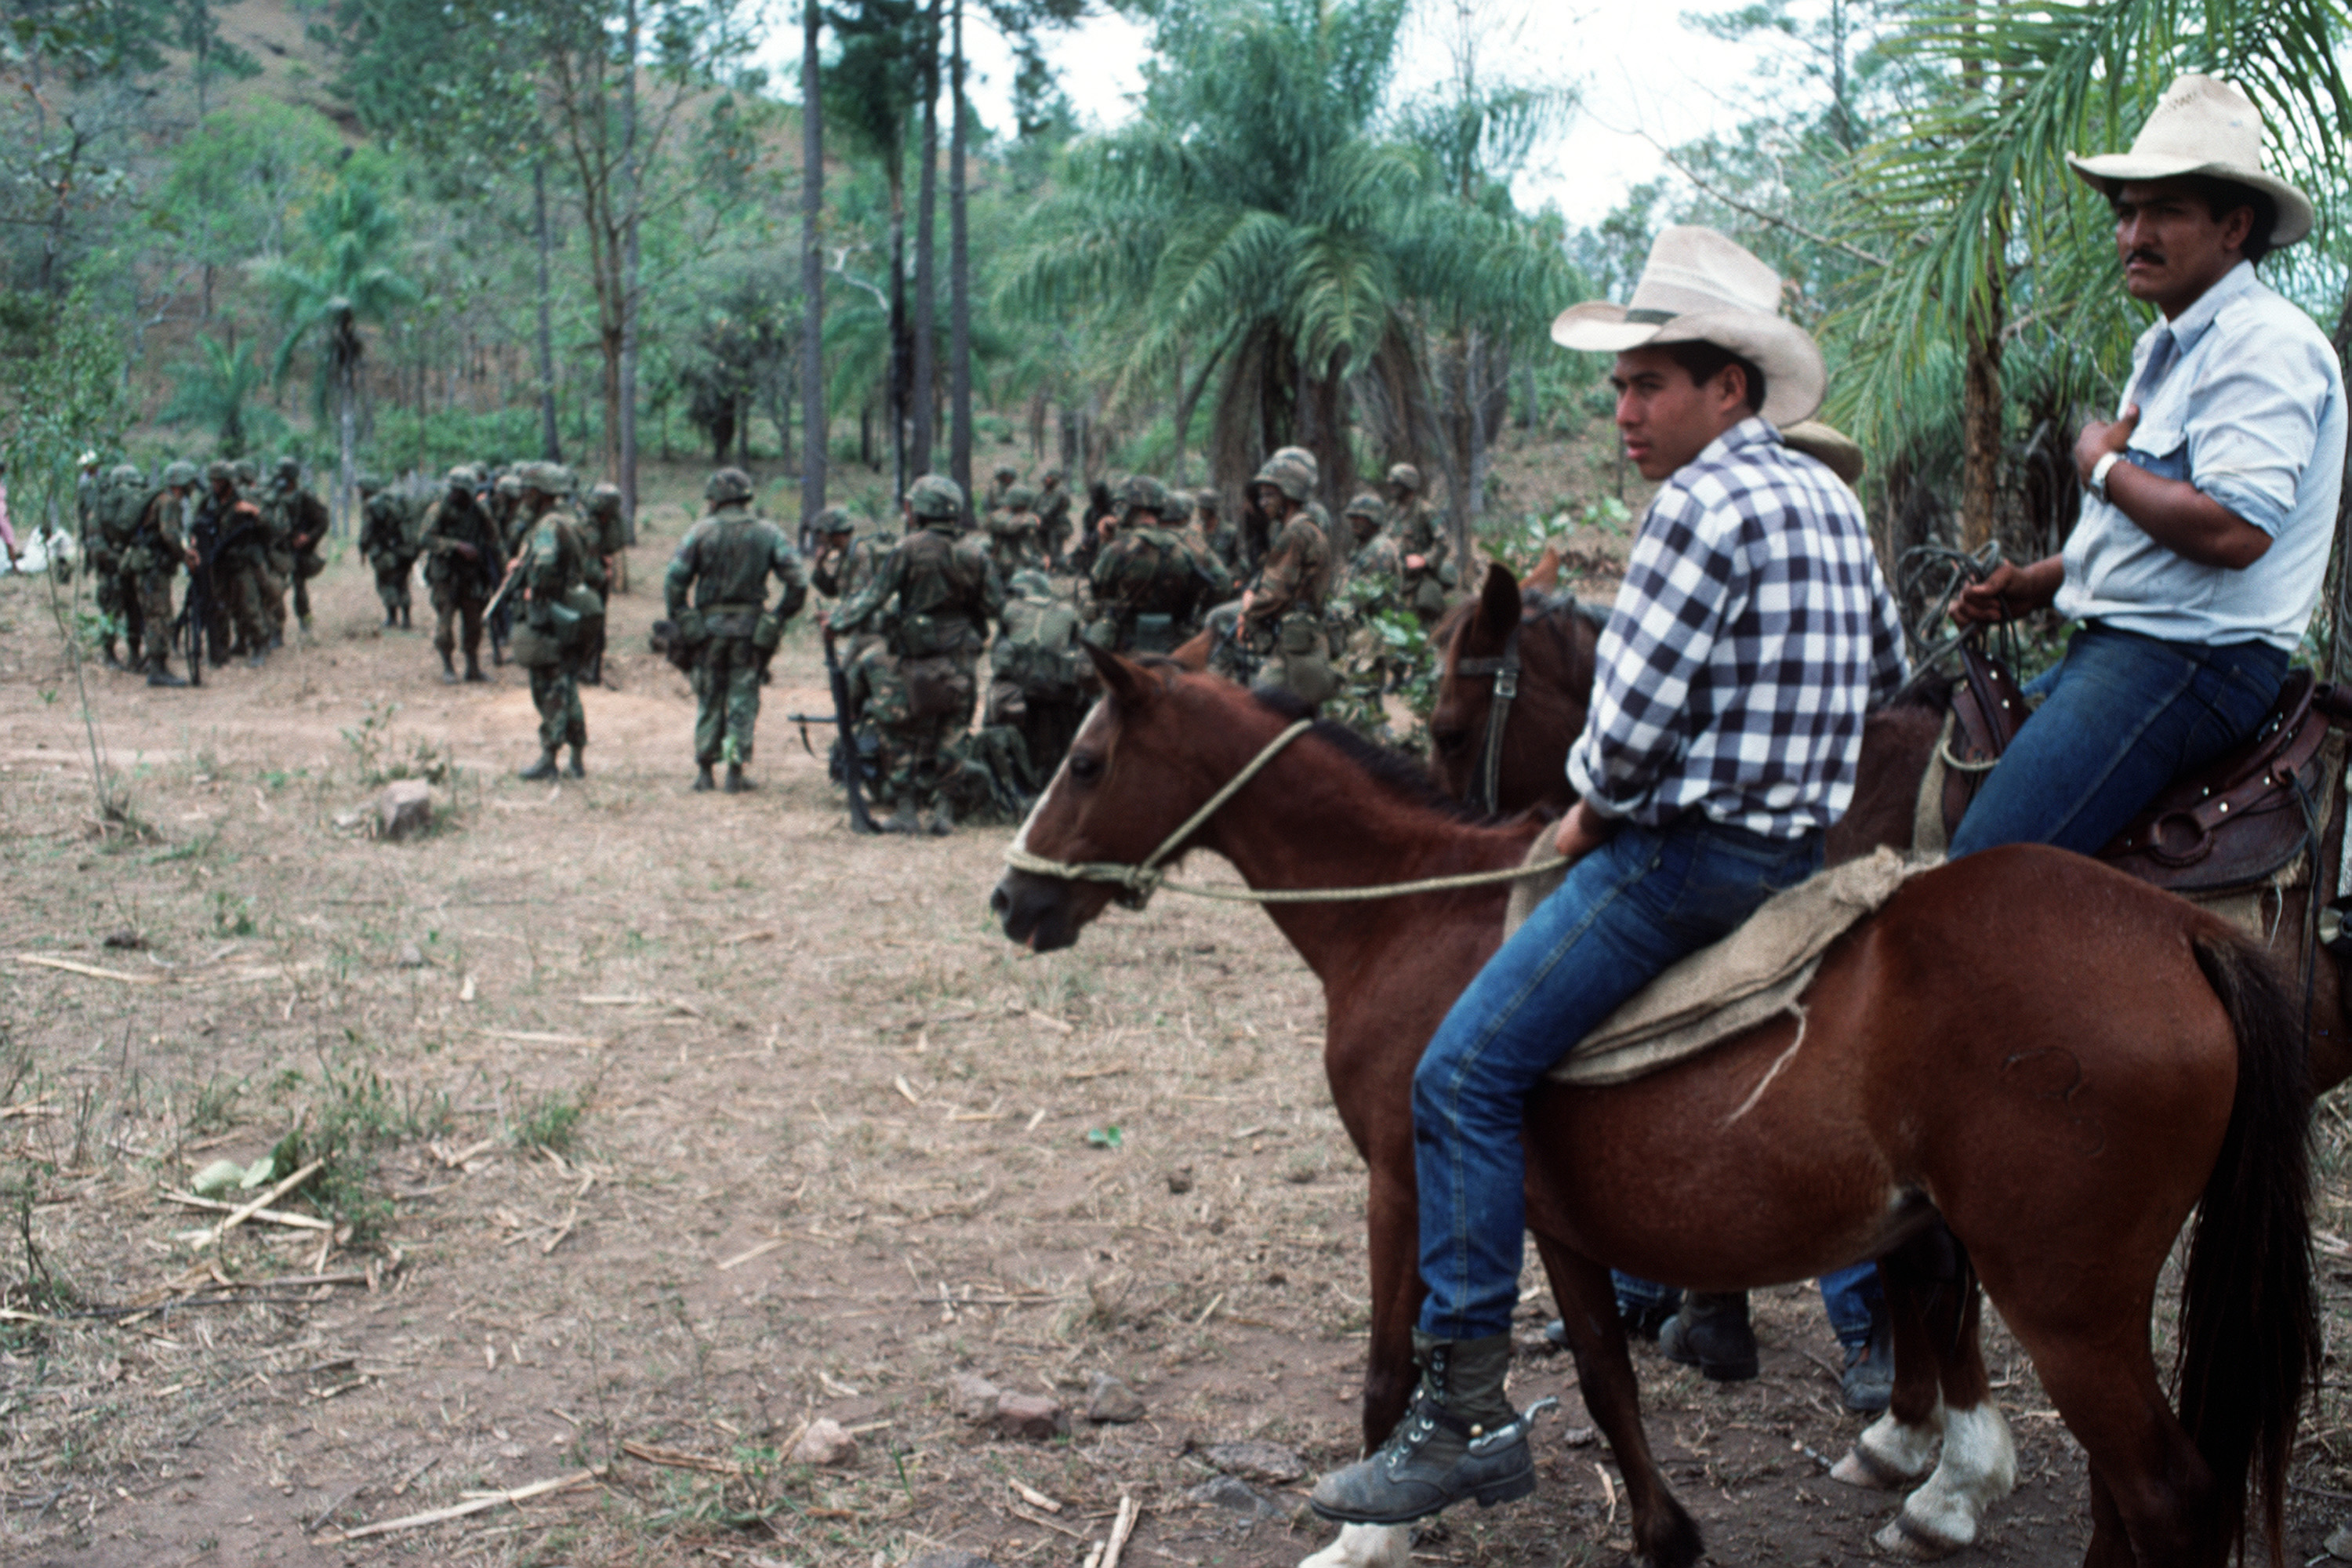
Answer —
1121 1527
762 1250
473 1505
239 1217
275 1217
72 966
676 1460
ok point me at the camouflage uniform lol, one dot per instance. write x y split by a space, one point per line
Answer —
947 594
608 536
1283 623
1013 543
1417 532
727 559
231 541
1154 579
158 548
298 520
845 564
557 622
1053 517
1039 676
463 558
1370 585
117 503
1000 486
390 550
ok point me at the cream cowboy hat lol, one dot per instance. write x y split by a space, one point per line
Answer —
2202 126
1699 287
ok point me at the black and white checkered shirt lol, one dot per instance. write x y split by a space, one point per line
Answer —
1752 631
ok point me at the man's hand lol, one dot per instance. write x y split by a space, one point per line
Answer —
1416 562
1249 597
195 561
465 549
2097 440
823 618
1580 832
2011 591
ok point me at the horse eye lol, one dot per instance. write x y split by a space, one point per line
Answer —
1451 742
1085 766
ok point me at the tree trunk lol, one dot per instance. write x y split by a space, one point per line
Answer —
812 420
958 279
627 475
926 285
347 441
550 440
902 370
1980 412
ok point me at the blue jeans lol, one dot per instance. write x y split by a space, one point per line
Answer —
1625 912
1848 1295
2123 715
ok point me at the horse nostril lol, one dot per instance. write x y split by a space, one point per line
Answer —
1000 902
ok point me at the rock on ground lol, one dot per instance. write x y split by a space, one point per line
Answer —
824 1443
973 1396
1032 1416
405 809
1256 1461
1112 1402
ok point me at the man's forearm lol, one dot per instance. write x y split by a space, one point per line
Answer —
2184 519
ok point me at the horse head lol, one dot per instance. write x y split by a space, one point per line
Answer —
1553 647
1146 757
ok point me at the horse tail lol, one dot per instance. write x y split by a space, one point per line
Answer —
2250 1335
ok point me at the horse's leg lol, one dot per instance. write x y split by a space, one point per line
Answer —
1899 1447
1979 1467
1664 1534
2110 1544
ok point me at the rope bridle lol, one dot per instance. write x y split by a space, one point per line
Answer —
1138 882
1485 786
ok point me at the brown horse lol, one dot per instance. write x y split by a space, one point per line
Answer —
2061 1098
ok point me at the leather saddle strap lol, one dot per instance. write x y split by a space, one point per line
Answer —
1505 668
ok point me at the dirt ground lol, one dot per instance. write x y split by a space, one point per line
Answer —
658 1126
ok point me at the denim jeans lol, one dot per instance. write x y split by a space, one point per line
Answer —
1625 913
1848 1295
2122 716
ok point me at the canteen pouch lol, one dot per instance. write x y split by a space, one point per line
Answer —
918 637
1300 634
1429 598
671 646
1155 634
691 631
309 563
578 618
531 648
937 688
140 560
767 631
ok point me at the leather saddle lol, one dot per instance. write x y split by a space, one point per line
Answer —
2238 821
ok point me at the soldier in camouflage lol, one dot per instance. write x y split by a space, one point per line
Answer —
845 563
560 611
298 522
117 503
231 541
1014 542
1423 549
1281 617
465 559
1000 485
1040 679
1368 585
1154 578
158 549
947 594
726 560
608 538
385 544
1053 517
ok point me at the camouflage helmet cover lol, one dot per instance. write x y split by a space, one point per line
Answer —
1050 477
604 500
1290 471
220 471
836 520
1031 584
288 466
368 483
245 471
180 475
125 474
1405 476
1206 499
935 496
461 478
1144 493
1007 471
1020 498
1367 505
726 487
548 478
510 486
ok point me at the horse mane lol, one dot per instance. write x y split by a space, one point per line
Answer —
1400 776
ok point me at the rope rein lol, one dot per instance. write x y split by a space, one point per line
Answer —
1139 882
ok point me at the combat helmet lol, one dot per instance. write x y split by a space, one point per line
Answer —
604 500
180 475
461 478
367 483
125 474
218 472
247 472
1020 498
935 496
836 520
1291 471
1007 471
1143 493
548 478
288 466
1031 584
726 487
1406 477
1367 504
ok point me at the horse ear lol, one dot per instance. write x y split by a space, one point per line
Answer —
1126 682
1193 652
1544 578
1498 602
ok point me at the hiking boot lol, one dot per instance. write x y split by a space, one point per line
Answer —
1459 1438
112 662
276 639
542 769
1711 1334
577 770
1869 1381
306 623
161 675
391 620
702 780
943 820
450 668
474 668
405 624
902 820
257 658
735 785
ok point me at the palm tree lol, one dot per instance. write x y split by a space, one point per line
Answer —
352 286
1252 225
216 389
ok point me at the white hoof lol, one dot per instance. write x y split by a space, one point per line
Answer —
1890 1454
1366 1546
1978 1469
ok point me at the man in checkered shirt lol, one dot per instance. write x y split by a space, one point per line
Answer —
1752 631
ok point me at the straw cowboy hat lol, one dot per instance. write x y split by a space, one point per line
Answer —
2202 126
1699 287
1828 444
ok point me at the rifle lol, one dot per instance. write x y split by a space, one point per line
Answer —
195 609
844 738
805 720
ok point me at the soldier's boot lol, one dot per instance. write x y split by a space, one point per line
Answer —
1459 1438
277 638
306 625
1712 1333
542 769
160 674
943 820
903 819
390 617
405 624
112 662
257 658
449 668
735 785
577 770
474 668
702 781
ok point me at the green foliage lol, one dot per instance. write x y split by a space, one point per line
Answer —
379 760
354 1117
215 389
549 1120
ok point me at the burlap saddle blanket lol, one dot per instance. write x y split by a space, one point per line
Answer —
1749 977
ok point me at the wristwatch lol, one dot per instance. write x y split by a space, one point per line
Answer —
2098 485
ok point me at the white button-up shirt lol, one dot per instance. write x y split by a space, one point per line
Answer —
2250 411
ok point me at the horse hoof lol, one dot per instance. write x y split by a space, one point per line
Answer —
1861 1467
1366 1546
1890 1456
1907 1537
